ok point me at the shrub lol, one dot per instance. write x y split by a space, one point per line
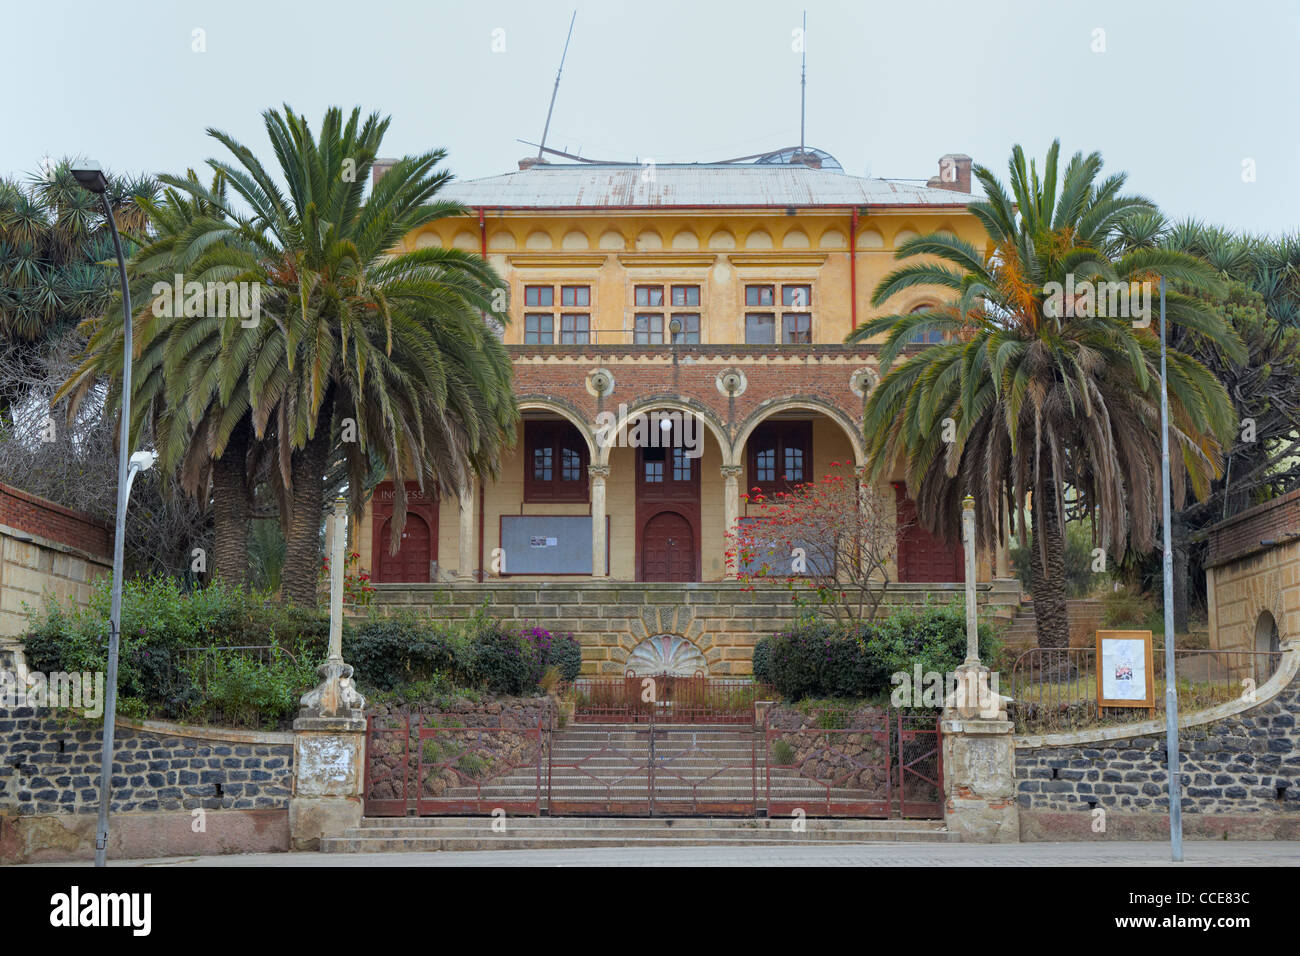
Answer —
762 660
820 659
388 652
505 662
242 691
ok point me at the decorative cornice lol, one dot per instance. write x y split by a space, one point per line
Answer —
777 257
667 260
557 260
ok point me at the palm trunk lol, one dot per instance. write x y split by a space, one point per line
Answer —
302 553
1050 609
1179 543
230 502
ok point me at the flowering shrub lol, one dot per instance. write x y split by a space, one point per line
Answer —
830 542
357 589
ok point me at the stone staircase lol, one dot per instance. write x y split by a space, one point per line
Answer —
1086 615
709 782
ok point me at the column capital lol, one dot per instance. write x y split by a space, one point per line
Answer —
598 471
732 471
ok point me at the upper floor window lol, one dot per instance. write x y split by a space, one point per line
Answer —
780 456
928 337
556 460
573 318
683 304
791 319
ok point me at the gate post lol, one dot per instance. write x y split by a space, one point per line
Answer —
329 745
979 757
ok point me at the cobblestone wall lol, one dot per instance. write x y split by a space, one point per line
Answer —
51 766
1248 763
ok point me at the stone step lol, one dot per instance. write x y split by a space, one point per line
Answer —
622 823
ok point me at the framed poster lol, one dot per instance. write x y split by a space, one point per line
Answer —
1124 674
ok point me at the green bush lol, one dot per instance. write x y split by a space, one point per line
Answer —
240 690
824 659
391 651
762 660
504 662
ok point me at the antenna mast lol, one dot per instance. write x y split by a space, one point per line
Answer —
546 129
803 79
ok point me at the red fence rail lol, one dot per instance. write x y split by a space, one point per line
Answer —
662 698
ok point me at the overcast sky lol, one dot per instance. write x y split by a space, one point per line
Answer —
1182 96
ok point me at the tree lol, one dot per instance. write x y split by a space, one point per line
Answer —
56 265
1035 387
833 539
359 351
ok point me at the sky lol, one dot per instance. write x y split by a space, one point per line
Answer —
1195 100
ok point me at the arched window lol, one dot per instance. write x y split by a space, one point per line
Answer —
555 466
929 337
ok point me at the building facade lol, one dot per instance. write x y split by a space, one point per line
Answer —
715 297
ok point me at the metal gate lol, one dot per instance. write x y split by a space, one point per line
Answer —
881 765
662 699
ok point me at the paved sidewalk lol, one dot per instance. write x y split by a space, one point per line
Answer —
1209 853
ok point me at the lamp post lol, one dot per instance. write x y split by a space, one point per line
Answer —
1171 684
91 177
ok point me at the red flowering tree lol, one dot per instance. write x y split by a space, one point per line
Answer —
832 540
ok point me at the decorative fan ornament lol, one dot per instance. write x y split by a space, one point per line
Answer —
666 654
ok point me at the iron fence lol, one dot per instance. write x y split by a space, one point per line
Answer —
1056 688
662 698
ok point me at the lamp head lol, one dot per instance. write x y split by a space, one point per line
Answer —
89 174
143 460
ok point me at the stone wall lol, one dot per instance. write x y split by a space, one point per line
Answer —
51 766
46 549
1240 768
723 619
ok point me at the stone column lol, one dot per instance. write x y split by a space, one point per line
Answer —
979 778
598 474
730 509
330 731
465 553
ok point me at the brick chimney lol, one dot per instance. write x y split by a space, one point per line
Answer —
954 173
378 168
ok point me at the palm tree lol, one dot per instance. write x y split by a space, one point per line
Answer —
1032 393
54 247
359 351
203 433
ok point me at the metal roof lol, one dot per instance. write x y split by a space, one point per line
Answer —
578 185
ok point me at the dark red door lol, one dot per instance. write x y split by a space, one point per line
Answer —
668 549
411 562
922 557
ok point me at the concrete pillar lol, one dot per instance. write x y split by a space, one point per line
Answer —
730 509
330 732
598 474
465 551
979 778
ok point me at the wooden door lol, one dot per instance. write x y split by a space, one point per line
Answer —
411 562
923 558
668 549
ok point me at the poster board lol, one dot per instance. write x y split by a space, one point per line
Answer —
1125 677
548 544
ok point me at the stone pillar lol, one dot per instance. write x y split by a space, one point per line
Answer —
972 613
330 731
598 474
979 778
465 552
730 510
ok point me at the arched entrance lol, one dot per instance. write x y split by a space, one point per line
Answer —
1268 647
411 562
667 548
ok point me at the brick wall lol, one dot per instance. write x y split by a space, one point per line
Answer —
724 619
27 512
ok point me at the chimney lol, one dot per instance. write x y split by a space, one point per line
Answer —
378 168
954 173
528 162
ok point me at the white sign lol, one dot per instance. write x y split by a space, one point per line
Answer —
1124 669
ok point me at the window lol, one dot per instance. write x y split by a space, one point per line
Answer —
797 328
793 326
929 336
574 326
575 329
650 329
539 329
681 465
652 326
760 328
555 462
780 456
652 463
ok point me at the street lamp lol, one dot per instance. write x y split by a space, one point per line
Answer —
1171 684
91 177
